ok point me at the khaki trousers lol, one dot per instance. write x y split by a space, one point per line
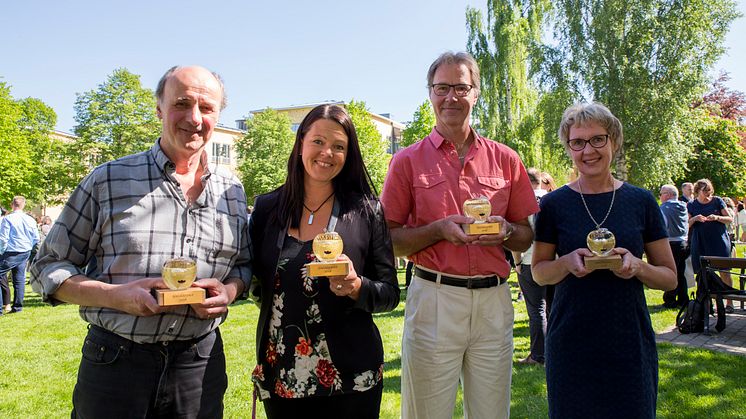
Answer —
453 333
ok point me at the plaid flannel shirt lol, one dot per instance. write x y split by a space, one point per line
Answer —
129 216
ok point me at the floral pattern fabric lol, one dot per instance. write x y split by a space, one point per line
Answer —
297 360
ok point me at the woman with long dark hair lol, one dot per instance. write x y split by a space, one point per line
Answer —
318 350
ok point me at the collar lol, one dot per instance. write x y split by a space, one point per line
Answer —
168 167
437 139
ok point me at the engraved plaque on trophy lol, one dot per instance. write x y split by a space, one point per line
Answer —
327 247
479 209
178 274
601 242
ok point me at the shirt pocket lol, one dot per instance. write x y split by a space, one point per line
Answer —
497 191
225 245
431 196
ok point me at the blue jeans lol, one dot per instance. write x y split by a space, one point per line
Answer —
14 262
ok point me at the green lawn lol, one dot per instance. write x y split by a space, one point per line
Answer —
41 350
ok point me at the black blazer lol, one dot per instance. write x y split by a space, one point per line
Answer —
368 245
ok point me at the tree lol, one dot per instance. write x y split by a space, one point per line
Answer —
506 109
723 102
263 152
421 126
717 155
646 60
114 120
372 146
50 182
16 163
31 162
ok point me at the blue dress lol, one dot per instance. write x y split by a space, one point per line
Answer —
709 238
601 358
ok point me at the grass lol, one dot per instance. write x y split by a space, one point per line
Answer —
41 351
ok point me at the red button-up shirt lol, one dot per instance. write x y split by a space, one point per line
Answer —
426 182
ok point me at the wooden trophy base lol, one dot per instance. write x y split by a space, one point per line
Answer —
328 269
613 262
481 228
191 295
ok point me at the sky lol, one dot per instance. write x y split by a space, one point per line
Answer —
269 53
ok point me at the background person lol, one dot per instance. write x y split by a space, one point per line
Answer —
107 248
687 192
459 314
677 227
46 225
741 213
18 236
318 351
601 358
547 182
708 220
534 295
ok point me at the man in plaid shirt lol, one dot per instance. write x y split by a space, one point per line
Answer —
105 253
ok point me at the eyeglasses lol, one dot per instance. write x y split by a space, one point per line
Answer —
442 89
597 141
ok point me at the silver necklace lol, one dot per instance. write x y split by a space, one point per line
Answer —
310 217
613 195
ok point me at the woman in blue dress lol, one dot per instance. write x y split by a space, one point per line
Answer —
601 358
708 222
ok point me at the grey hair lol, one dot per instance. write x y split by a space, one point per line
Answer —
671 190
161 87
450 57
585 113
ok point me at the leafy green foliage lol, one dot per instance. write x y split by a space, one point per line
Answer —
16 163
263 152
50 180
505 46
718 155
372 146
114 120
421 126
32 163
647 61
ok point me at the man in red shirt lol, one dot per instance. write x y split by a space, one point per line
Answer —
459 314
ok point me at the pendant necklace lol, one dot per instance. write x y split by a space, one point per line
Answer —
310 217
600 241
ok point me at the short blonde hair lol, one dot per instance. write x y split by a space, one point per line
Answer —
586 113
703 185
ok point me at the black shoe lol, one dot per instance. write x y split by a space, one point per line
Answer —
729 309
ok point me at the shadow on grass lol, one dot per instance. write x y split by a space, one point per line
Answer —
392 382
657 308
32 299
697 383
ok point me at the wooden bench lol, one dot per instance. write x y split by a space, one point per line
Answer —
721 264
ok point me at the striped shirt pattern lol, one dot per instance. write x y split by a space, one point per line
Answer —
126 219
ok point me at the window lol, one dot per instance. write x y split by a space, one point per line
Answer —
221 153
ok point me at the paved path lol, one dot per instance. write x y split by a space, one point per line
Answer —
731 340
